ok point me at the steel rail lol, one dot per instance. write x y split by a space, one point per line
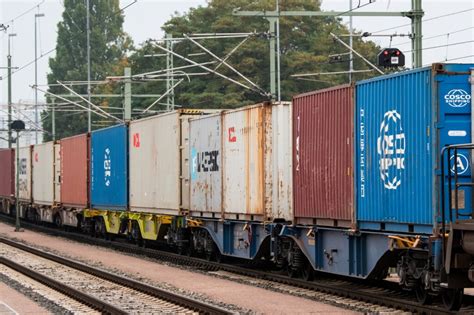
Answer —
174 298
77 295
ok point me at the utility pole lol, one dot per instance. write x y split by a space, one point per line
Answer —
53 117
415 15
272 16
169 73
9 65
351 57
36 78
127 93
89 122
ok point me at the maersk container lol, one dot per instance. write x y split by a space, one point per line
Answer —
43 174
206 165
159 162
7 171
109 168
75 171
242 163
403 121
323 158
24 174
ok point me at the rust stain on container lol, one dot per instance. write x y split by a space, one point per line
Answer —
323 157
7 170
75 171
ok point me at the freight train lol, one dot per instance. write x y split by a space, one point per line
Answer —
350 180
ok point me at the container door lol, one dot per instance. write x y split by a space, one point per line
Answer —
454 127
57 173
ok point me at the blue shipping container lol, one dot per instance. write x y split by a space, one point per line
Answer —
402 122
109 168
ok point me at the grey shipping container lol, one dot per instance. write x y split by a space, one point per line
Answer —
241 163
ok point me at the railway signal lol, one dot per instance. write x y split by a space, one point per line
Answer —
391 57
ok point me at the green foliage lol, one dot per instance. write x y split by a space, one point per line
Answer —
109 45
305 46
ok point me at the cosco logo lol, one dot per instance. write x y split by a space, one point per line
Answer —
457 98
391 149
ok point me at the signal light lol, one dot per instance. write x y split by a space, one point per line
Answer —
391 57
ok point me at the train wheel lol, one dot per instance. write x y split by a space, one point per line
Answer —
422 295
57 221
292 272
307 273
452 298
136 234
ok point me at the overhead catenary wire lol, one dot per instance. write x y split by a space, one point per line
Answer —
444 45
425 20
437 36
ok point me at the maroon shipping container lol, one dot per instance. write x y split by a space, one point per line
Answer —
323 154
75 171
7 172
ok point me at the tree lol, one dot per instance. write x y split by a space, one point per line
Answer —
305 47
109 45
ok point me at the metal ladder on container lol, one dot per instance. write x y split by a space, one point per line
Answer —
456 220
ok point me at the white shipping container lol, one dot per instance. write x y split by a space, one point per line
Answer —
254 170
159 163
43 173
24 174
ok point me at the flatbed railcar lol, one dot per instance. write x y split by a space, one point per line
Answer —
352 181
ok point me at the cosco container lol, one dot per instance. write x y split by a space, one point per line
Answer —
109 168
7 171
241 163
323 156
43 173
159 162
75 171
403 122
24 174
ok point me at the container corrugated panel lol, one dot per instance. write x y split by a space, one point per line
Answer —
323 123
24 176
43 173
279 164
394 148
109 168
256 159
7 170
206 164
75 171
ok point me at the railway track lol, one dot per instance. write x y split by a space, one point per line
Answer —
384 294
103 291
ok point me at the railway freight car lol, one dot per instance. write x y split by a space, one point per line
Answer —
403 122
240 180
108 180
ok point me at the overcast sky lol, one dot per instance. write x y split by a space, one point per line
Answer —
144 18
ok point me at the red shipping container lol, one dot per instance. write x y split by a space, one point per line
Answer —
7 172
75 171
323 155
